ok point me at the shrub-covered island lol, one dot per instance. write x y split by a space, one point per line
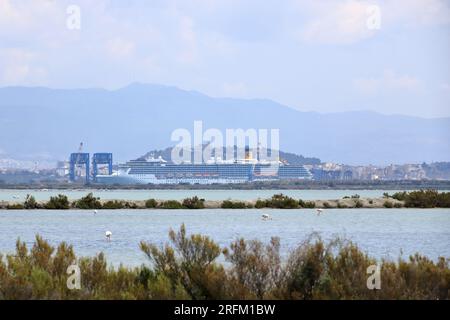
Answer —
413 199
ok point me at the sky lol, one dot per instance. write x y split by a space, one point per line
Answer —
326 56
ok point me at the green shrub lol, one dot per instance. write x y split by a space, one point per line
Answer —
280 201
151 203
388 204
427 199
228 204
398 205
30 202
193 203
358 204
59 202
171 204
113 204
15 206
130 205
341 205
326 205
306 204
370 201
355 196
401 196
88 202
260 204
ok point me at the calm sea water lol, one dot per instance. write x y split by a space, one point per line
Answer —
379 232
20 195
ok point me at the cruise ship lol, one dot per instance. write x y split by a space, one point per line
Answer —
215 171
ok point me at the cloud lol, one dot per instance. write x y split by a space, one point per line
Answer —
346 22
120 47
416 13
337 22
388 81
16 67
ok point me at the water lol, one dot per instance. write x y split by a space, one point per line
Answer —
19 195
380 232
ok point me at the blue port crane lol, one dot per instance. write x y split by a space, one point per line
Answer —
76 162
102 158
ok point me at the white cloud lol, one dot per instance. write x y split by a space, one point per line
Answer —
16 67
388 81
416 13
119 47
345 22
337 22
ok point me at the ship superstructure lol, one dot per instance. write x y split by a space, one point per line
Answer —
160 171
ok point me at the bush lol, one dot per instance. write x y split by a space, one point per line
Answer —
398 205
151 203
59 202
370 201
194 203
228 204
171 204
189 265
260 204
15 206
88 202
427 199
355 196
113 204
130 205
326 205
400 196
189 268
306 204
30 202
388 204
358 204
341 205
281 201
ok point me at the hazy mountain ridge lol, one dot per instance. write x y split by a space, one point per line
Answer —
129 121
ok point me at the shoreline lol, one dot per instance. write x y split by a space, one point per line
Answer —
414 199
264 185
348 203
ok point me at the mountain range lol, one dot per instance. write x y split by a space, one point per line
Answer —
43 123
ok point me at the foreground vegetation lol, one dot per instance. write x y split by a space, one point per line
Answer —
188 268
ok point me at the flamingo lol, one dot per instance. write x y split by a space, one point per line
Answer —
108 235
